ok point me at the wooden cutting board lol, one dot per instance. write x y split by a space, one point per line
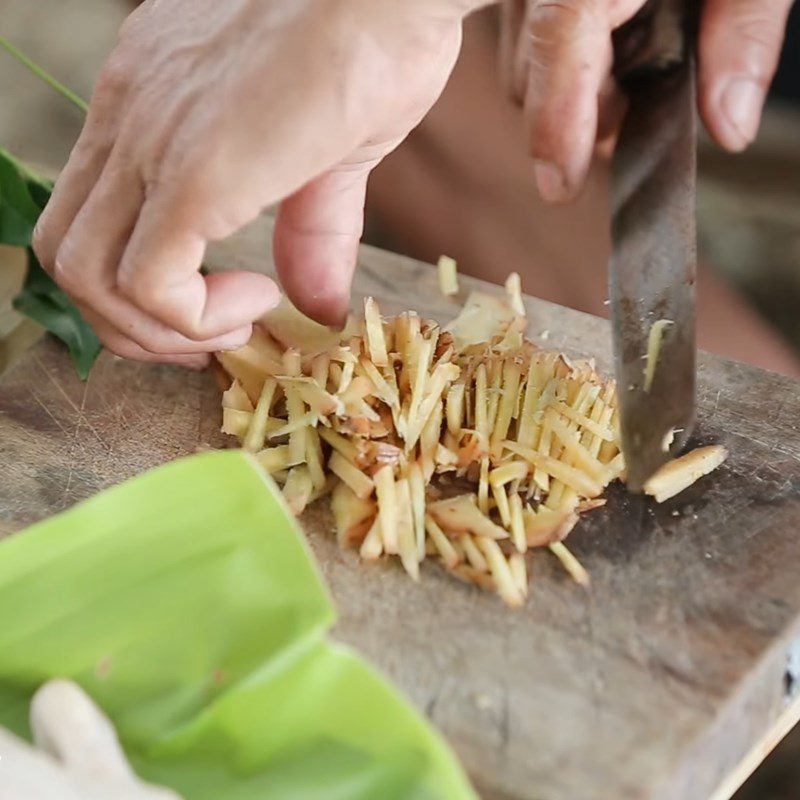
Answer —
652 685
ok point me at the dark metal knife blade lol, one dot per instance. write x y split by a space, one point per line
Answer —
653 264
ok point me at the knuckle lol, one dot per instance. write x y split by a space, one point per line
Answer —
142 341
762 33
566 37
85 158
557 21
546 132
66 272
117 343
557 24
561 10
109 88
114 78
119 347
40 243
193 330
168 305
127 285
148 295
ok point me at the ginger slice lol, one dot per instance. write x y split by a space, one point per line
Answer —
682 472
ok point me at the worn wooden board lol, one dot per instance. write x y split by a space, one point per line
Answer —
653 685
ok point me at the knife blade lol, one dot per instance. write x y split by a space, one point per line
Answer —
654 258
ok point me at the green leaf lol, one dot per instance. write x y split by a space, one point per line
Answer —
39 188
44 302
188 606
23 196
19 209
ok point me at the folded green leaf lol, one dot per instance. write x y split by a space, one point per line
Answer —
43 301
23 196
186 603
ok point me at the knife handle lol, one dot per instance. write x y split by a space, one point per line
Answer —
655 41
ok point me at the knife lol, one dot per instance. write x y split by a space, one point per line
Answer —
654 258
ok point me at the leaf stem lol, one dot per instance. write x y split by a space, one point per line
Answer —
75 99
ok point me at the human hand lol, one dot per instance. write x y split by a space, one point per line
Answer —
557 60
77 754
205 114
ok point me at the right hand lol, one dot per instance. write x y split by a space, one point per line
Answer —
557 60
207 113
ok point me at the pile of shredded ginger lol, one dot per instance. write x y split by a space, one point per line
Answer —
465 443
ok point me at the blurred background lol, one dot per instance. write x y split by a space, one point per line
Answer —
463 185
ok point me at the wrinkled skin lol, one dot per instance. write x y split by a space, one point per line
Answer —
207 113
556 61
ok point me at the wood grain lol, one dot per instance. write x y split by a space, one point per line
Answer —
653 685
780 728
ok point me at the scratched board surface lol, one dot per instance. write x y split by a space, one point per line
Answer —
652 684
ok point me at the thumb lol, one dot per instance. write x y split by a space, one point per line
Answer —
316 242
740 43
67 725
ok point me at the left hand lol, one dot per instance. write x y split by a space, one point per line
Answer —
208 112
77 754
557 59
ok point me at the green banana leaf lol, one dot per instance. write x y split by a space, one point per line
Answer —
188 606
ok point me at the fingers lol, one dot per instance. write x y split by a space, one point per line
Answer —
86 267
74 185
148 334
570 59
316 242
84 166
740 43
70 727
98 217
84 263
513 71
160 273
124 347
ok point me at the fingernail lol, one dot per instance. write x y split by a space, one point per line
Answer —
339 325
741 104
550 182
231 347
334 313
